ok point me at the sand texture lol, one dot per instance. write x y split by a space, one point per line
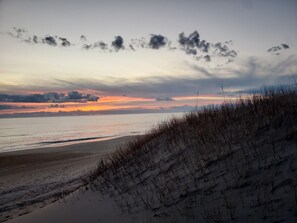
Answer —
31 179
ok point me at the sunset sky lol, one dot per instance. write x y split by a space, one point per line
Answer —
138 55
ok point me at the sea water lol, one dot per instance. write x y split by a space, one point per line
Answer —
38 132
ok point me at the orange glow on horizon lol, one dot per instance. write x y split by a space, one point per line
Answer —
113 103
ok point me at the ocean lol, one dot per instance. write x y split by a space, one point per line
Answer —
38 132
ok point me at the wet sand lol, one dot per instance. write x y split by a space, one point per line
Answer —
31 179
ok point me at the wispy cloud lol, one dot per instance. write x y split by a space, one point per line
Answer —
251 74
164 98
275 49
14 107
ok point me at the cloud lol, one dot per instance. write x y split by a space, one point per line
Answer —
269 88
7 107
207 58
285 46
87 46
35 39
56 106
65 42
191 51
192 40
83 38
131 47
139 43
189 43
101 45
192 45
252 73
118 43
282 46
204 46
274 48
160 98
17 33
72 96
22 35
50 41
224 51
157 41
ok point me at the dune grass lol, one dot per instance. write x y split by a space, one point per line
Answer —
235 162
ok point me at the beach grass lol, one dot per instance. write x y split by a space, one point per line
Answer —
234 162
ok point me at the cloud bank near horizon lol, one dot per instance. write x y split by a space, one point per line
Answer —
252 74
50 97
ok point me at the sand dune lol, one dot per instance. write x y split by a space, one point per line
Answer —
236 163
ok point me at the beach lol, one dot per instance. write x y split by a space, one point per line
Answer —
31 179
236 163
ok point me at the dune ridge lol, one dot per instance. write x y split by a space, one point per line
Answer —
236 163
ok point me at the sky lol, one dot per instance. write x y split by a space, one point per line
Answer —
135 56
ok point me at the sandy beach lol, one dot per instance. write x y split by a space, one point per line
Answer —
31 179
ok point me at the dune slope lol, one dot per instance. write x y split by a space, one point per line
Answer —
233 163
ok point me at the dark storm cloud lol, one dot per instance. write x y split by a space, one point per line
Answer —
72 96
157 41
282 46
118 43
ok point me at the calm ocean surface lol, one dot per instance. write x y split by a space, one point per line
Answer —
38 132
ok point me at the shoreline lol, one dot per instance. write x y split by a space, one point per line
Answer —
64 146
32 178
